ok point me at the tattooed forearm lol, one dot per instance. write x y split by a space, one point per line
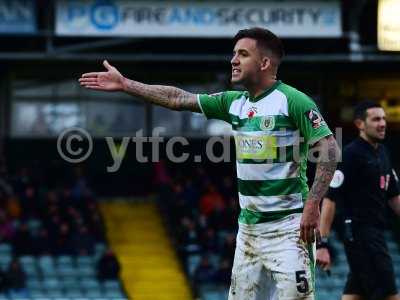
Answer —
329 155
166 96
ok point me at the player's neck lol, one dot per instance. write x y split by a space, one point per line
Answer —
258 90
370 141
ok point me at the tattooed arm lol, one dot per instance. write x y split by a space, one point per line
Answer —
329 154
166 96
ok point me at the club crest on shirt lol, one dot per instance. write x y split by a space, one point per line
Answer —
315 118
267 123
251 112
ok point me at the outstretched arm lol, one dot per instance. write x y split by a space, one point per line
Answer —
166 96
328 157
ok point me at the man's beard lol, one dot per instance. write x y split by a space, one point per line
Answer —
376 139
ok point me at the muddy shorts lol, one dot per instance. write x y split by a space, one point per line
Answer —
272 263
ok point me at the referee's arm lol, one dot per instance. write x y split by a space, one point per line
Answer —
327 215
395 204
394 192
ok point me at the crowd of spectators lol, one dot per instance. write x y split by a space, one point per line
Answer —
42 216
37 219
202 211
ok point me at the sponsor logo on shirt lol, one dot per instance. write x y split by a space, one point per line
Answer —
315 118
257 147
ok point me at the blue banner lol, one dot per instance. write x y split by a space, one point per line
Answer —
17 16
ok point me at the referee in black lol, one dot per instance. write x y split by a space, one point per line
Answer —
363 186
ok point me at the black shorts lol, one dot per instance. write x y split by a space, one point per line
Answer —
371 268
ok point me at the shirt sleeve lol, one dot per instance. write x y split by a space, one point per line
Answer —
393 189
339 185
216 106
306 116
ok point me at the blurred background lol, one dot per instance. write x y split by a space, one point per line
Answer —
158 230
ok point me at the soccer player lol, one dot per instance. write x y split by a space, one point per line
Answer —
362 188
273 124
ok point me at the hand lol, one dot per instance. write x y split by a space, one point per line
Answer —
324 258
309 221
112 80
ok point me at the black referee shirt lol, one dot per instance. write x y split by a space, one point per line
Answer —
364 182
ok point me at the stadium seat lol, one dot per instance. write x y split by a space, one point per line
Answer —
84 261
214 260
33 283
17 297
111 284
37 292
65 270
393 246
46 262
74 293
5 260
51 283
5 249
69 282
27 260
34 225
64 260
113 294
214 295
99 249
93 292
192 263
86 271
3 296
90 283
30 270
55 293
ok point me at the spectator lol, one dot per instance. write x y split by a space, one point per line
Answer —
23 240
108 266
7 231
41 242
189 236
219 217
190 194
223 274
204 272
83 242
228 247
62 241
16 280
14 208
209 240
3 281
210 200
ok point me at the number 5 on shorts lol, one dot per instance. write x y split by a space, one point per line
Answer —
301 280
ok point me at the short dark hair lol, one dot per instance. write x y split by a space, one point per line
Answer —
360 111
265 39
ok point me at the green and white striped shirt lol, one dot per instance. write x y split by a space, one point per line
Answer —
272 135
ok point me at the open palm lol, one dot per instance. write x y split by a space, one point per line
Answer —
103 81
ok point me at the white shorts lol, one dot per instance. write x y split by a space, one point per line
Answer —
271 262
